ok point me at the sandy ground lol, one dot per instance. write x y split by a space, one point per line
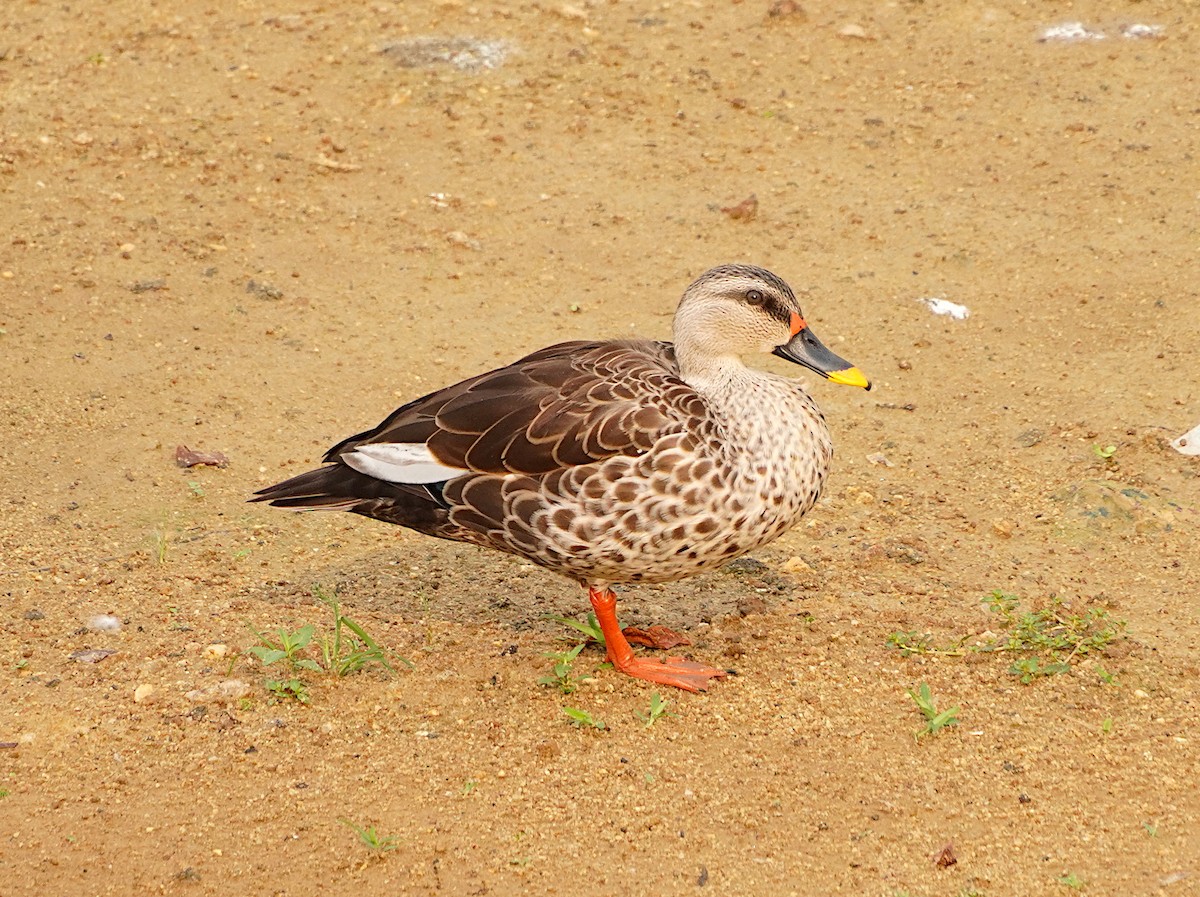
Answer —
247 228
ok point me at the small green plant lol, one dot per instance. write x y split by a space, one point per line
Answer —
1151 828
1030 668
935 720
562 674
1046 641
911 642
1051 636
1106 677
347 649
590 627
162 541
196 489
4 792
293 688
1003 603
468 786
582 718
1104 452
1071 880
372 839
1107 726
658 708
350 648
288 647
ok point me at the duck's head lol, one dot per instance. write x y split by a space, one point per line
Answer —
736 310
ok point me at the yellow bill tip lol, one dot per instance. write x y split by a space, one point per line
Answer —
850 377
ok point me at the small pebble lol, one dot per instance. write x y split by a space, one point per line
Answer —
1003 527
787 9
744 210
143 693
796 565
571 11
751 604
34 614
92 655
104 623
225 692
459 238
215 651
1031 437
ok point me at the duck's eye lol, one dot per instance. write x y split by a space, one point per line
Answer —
754 297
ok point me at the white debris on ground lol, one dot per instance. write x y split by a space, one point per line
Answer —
1189 442
1137 32
104 623
467 54
945 307
1069 32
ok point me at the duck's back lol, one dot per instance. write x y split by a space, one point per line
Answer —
569 404
557 411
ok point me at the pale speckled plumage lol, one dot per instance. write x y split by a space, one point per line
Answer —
609 462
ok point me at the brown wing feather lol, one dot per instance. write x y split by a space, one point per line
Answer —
570 404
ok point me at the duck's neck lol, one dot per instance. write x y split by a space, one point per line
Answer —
706 364
713 375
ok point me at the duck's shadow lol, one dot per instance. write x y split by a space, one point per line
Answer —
463 584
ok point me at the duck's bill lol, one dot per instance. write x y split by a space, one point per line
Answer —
806 350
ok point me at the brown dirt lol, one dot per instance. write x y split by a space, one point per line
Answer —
244 228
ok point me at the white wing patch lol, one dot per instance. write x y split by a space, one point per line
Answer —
400 462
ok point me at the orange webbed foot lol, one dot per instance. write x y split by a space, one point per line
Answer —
674 671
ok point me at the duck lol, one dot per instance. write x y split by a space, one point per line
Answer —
611 462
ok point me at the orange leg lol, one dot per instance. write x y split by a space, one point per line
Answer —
671 671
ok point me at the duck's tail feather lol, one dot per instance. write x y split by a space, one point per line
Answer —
336 487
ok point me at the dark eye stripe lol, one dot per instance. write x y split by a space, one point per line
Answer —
778 310
775 290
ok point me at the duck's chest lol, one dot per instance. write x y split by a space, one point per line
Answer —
775 450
